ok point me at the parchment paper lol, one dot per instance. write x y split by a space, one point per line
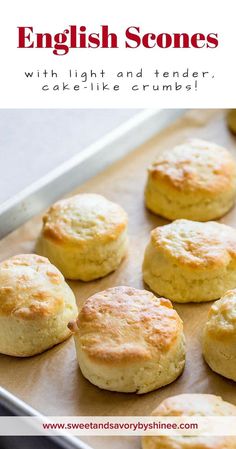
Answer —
52 382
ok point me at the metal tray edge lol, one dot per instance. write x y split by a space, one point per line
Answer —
92 160
20 408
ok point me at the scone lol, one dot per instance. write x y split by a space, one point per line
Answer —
128 340
195 180
192 405
85 236
219 336
35 305
188 261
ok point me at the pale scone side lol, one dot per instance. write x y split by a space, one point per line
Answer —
219 336
195 180
35 305
85 236
128 340
188 261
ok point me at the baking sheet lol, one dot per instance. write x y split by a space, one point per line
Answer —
52 382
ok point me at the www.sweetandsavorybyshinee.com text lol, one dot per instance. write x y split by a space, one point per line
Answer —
120 425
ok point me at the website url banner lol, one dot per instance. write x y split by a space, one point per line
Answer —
111 426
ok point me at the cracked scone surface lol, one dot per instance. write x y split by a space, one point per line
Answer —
35 305
128 340
219 336
188 261
192 405
195 180
85 236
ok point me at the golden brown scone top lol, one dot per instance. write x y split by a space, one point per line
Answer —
125 324
222 317
30 287
196 166
196 244
82 218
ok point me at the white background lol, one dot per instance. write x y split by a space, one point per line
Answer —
33 142
169 16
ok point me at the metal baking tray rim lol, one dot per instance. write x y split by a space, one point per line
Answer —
88 162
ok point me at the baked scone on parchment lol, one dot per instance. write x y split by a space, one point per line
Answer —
202 405
35 305
189 261
219 336
195 180
85 236
128 340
